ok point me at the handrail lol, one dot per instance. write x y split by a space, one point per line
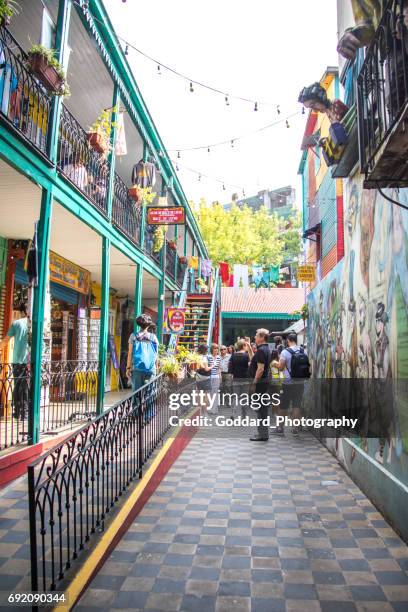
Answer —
74 486
181 303
213 307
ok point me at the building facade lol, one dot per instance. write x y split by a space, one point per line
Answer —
358 311
74 243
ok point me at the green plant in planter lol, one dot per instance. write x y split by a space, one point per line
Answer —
48 55
104 124
8 8
169 366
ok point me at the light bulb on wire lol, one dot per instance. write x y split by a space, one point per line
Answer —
278 109
158 69
199 178
287 124
223 187
232 144
191 87
127 50
226 100
256 106
208 150
178 155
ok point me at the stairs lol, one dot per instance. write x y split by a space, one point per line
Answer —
197 320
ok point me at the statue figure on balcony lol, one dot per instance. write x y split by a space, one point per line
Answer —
367 16
315 97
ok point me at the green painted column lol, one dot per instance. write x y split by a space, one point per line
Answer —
114 119
185 240
176 234
103 338
61 42
37 317
138 293
162 290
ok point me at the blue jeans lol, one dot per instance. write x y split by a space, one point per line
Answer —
139 379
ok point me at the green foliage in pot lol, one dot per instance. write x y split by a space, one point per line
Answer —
8 8
169 366
49 56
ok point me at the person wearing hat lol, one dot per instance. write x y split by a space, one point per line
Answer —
146 334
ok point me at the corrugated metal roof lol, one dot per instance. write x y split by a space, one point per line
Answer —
262 300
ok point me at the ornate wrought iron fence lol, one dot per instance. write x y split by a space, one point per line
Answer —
80 163
68 396
74 487
126 214
23 101
14 402
382 85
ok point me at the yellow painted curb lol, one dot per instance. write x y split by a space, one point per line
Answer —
76 587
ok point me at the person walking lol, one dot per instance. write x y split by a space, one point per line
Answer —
278 344
238 369
225 359
294 364
19 331
142 353
214 362
259 373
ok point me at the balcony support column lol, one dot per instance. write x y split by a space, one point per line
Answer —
61 42
138 293
114 129
37 316
103 338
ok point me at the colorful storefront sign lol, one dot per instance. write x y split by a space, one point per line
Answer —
69 274
174 321
166 215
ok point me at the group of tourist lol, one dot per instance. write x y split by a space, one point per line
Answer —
260 367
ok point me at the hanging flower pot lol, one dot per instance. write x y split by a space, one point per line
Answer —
172 245
97 141
8 8
183 260
135 194
45 73
45 67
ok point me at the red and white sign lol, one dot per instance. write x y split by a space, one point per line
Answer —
166 215
175 320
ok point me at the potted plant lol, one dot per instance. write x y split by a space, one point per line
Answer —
100 131
183 259
172 245
135 194
47 69
8 8
158 238
170 367
193 360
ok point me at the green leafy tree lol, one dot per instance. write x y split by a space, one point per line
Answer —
242 235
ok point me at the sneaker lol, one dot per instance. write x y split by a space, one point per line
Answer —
278 431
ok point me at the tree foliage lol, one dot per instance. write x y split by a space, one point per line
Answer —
242 235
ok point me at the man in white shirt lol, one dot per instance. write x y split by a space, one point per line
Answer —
225 359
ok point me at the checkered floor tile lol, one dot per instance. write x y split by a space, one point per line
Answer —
240 526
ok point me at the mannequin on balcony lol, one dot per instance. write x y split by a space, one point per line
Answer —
367 16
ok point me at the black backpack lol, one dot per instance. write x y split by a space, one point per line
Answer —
300 365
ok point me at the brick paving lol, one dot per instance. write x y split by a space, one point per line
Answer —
254 527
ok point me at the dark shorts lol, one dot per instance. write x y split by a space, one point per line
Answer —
292 395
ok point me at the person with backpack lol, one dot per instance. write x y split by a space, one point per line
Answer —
142 353
294 363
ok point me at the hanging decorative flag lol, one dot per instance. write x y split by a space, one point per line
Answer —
120 145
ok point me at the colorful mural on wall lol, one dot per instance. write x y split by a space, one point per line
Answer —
358 324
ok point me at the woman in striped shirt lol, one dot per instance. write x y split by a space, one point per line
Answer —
214 362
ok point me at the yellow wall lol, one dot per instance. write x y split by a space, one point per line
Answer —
113 301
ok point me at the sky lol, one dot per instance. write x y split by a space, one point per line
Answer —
264 50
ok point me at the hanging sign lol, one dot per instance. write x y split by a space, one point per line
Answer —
306 273
166 215
69 274
174 321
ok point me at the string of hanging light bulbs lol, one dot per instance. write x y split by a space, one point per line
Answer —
256 103
233 141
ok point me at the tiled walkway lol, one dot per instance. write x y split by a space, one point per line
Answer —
240 526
